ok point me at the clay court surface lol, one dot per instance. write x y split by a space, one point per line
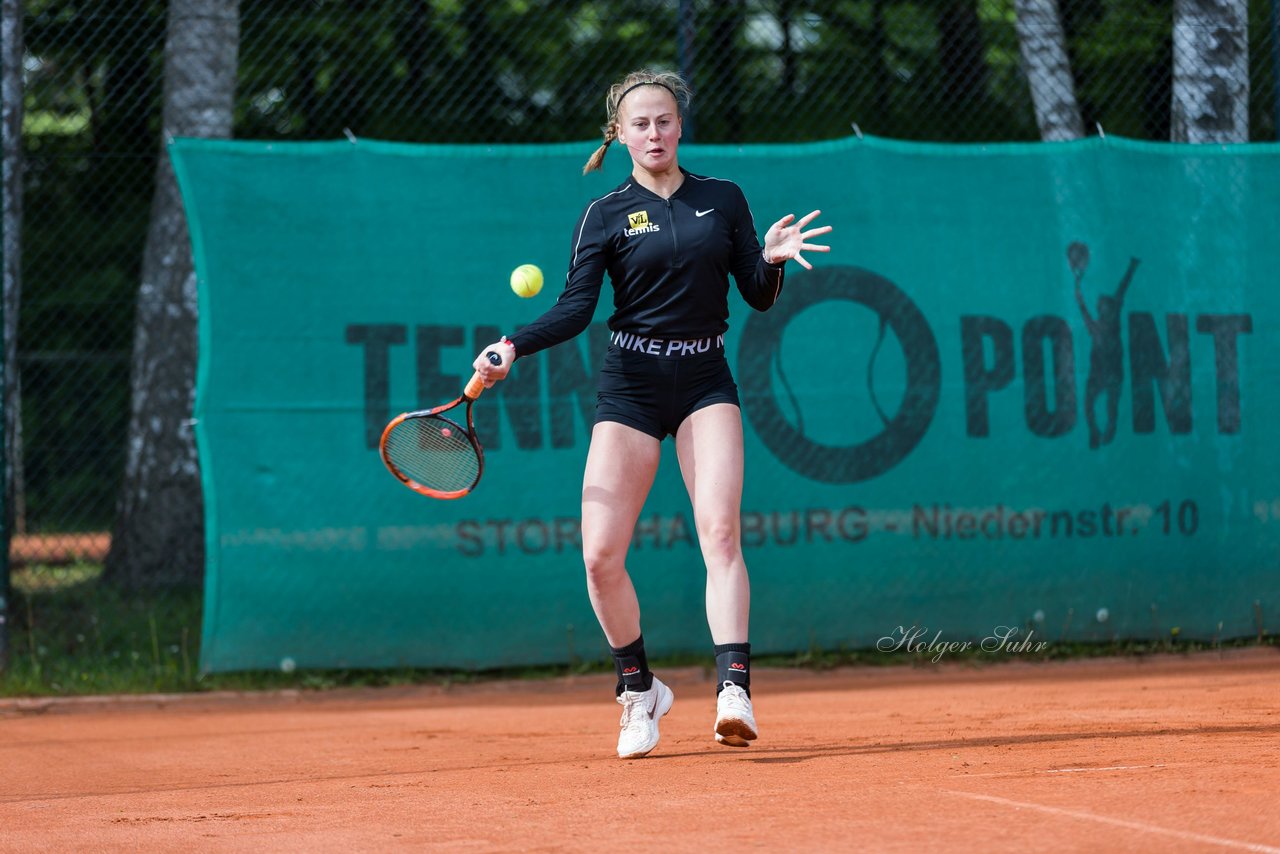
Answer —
1177 753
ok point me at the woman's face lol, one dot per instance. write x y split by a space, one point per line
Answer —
649 126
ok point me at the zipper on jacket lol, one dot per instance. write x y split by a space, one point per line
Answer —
675 240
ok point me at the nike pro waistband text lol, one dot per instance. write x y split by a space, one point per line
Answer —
666 348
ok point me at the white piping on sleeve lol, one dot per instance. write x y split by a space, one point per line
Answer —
587 215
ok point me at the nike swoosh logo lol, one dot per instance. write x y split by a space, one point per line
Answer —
703 213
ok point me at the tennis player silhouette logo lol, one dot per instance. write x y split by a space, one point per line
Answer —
1106 351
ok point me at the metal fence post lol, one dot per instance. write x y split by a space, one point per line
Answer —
1275 64
686 29
10 194
4 458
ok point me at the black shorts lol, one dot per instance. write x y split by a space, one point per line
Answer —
654 385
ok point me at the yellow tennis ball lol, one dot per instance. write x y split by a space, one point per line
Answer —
526 280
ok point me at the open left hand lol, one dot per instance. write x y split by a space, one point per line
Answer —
784 240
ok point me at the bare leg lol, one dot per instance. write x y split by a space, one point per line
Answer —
621 465
709 444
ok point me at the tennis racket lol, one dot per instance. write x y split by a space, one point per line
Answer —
433 454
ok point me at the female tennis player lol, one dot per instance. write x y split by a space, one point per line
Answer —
668 240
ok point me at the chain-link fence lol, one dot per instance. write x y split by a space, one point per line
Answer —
81 174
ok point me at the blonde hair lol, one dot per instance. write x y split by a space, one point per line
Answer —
668 80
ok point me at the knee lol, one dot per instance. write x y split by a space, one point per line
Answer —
721 542
604 562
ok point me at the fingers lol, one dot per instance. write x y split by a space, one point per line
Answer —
808 218
490 372
493 378
791 240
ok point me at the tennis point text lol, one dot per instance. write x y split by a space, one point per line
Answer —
552 403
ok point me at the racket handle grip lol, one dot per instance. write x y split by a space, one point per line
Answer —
476 385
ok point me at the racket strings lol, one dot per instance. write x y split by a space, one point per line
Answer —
434 452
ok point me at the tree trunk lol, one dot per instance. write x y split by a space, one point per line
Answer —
687 57
11 254
1157 93
1043 44
419 45
1210 71
881 73
159 530
962 55
726 103
786 19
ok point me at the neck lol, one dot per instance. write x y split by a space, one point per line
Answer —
663 183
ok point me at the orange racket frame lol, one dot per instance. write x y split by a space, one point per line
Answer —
470 393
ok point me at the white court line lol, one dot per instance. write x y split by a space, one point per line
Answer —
1107 768
1030 772
1118 822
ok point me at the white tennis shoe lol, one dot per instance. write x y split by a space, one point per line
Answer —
641 711
735 722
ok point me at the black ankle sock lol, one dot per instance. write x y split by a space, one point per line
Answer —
632 667
733 664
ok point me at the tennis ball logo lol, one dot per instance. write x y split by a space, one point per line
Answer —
794 444
526 280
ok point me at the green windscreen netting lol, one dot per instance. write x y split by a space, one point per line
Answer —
1032 386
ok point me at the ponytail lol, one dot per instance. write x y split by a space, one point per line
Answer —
597 159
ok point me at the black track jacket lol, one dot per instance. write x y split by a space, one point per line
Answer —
668 259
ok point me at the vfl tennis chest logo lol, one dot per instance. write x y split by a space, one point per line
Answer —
638 223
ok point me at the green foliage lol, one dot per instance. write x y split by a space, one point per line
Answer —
75 332
70 634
